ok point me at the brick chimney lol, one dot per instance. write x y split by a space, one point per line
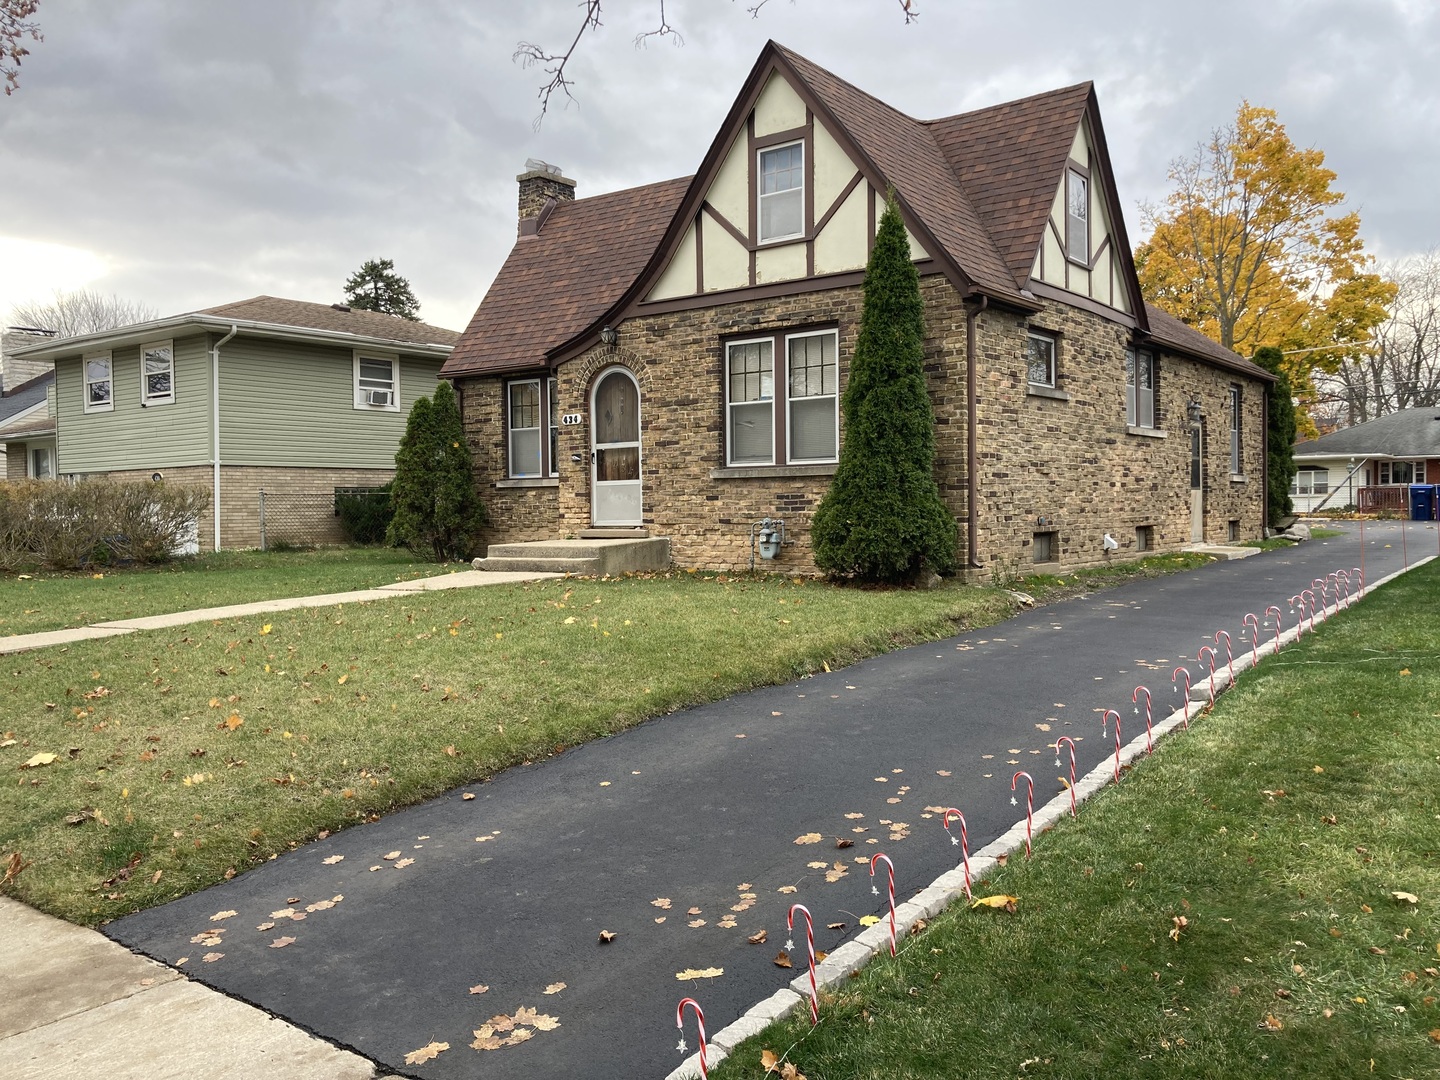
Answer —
539 184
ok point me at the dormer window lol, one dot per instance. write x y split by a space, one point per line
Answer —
782 192
1077 217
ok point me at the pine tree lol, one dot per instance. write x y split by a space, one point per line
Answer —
433 493
1279 437
376 287
883 518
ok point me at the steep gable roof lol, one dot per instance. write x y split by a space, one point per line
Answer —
561 279
1409 433
373 324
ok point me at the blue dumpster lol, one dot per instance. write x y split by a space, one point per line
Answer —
1422 502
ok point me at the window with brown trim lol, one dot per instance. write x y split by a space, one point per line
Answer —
1139 388
781 192
790 420
1234 411
531 428
1077 217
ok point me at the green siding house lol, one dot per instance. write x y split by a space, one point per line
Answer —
283 397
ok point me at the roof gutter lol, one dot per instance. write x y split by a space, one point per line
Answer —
972 440
215 423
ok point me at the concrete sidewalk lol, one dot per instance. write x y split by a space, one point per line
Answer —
465 579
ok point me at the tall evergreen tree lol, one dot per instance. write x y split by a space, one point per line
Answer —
883 518
376 287
436 507
1279 437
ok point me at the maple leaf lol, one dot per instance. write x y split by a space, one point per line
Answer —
788 1071
787 889
425 1053
770 1061
782 959
479 988
694 911
700 973
265 926
542 1022
38 760
662 902
333 859
607 936
836 872
487 1041
525 1015
391 855
695 924
400 863
1000 901
221 915
844 842
1406 898
816 865
211 957
554 988
281 942
808 838
320 905
233 721
519 1035
758 938
468 796
1270 1023
501 1022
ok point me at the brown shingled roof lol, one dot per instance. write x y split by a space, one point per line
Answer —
372 324
1168 330
558 281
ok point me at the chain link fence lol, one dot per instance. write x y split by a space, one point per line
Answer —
305 519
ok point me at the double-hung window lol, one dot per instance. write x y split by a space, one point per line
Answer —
1077 217
1139 388
781 192
98 373
1310 482
1234 411
799 426
532 427
377 382
1402 472
157 373
1040 349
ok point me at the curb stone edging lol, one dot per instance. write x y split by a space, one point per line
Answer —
949 886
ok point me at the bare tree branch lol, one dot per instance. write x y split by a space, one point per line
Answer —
14 25
81 312
662 31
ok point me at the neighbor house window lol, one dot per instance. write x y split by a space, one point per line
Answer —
1234 430
1077 217
42 465
1139 388
782 192
99 383
814 399
525 427
750 401
1402 472
1310 482
1040 349
377 382
157 373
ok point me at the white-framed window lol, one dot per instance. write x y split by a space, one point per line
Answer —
157 373
98 374
1310 481
1234 411
1402 472
377 382
552 393
1077 217
750 401
1040 350
41 463
813 396
782 192
525 424
1139 388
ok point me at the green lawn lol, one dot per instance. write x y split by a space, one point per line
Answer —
53 601
1289 831
191 754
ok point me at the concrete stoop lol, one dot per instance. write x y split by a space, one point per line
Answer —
587 557
1223 551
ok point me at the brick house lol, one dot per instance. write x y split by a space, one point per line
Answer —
668 359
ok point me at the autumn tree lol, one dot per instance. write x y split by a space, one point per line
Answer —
883 518
15 26
81 311
376 287
1251 249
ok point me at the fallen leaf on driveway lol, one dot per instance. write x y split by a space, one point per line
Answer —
758 938
699 973
787 889
661 902
320 905
869 920
265 926
782 959
281 942
694 911
942 772
479 988
333 859
542 1022
501 1022
219 915
399 863
468 796
554 988
425 1053
211 957
391 855
519 1035
695 924
607 936
808 838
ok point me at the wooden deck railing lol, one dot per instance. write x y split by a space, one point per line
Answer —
1394 497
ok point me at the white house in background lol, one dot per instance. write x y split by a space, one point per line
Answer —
1369 466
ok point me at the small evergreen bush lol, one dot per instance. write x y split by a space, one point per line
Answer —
364 513
436 506
1280 438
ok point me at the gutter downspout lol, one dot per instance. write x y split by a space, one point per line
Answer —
215 423
972 466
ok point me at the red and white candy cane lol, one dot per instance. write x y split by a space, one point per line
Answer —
1203 650
699 1022
1359 572
891 868
963 841
1309 595
1229 655
1030 798
1134 700
1067 739
810 943
1342 578
1279 617
1323 584
1109 713
1253 621
1342 598
1300 617
1184 709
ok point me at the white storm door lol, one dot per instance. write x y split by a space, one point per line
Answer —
615 450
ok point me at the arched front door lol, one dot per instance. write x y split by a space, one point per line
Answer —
615 450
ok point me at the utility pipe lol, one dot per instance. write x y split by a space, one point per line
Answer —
215 423
972 441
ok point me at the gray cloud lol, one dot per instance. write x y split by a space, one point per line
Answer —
213 151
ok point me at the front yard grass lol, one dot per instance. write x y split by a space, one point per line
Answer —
1261 898
46 600
188 755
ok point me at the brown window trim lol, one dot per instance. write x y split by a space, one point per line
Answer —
1071 165
549 469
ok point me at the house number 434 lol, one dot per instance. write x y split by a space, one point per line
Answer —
570 419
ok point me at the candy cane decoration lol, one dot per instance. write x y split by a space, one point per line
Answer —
699 1022
1359 572
1185 709
1279 616
964 843
1229 656
1309 595
1251 620
810 941
1067 739
1324 585
1108 713
1343 576
1030 795
1203 650
1134 699
891 868
1300 619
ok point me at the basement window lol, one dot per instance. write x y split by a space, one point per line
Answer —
1047 547
1145 538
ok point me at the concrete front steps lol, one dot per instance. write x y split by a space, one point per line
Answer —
586 557
1228 552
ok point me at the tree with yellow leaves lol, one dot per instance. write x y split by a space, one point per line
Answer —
1251 250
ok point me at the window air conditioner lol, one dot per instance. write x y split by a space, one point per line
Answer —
379 397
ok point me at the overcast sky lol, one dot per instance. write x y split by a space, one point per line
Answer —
190 154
